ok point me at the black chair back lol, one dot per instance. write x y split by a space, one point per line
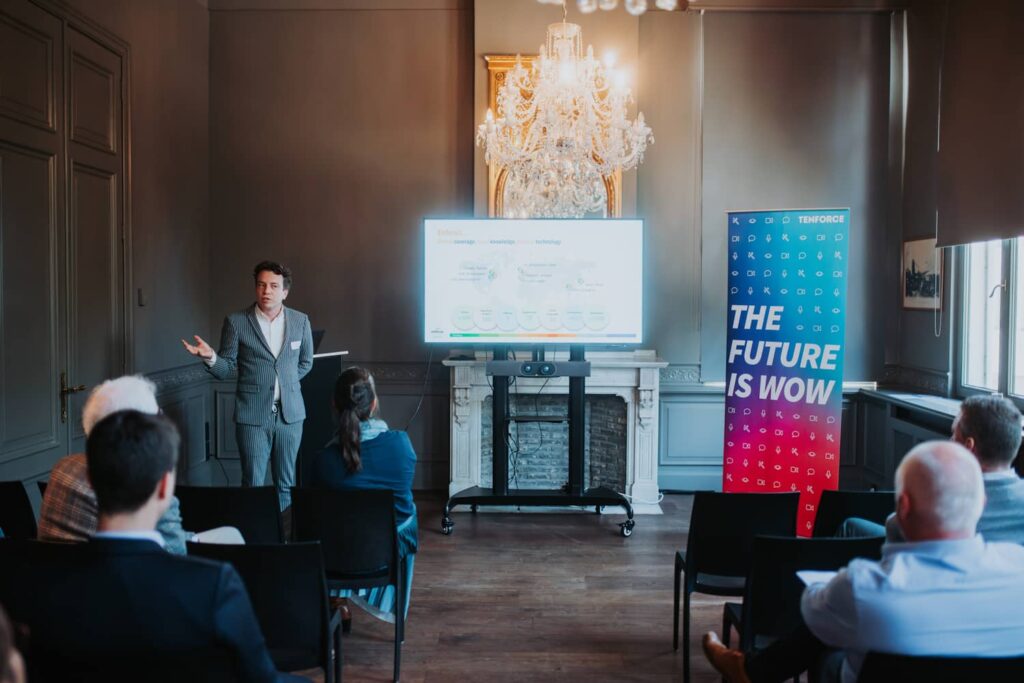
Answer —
723 526
288 591
360 542
42 488
882 668
771 605
17 519
837 506
253 511
356 530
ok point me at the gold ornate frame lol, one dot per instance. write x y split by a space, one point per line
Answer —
497 67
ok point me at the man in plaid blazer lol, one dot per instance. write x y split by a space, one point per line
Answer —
69 511
270 347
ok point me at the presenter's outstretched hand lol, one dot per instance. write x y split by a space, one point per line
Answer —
200 348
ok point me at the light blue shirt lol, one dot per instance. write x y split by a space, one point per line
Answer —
949 598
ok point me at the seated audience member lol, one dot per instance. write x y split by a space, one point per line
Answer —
990 428
69 510
943 592
119 598
365 454
12 668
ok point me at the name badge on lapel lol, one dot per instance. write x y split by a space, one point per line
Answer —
296 345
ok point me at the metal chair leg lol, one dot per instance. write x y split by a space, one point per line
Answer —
675 605
686 636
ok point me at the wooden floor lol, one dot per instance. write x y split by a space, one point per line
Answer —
538 597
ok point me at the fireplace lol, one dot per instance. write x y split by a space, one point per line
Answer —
621 436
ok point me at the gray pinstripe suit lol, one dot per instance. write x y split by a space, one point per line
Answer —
265 432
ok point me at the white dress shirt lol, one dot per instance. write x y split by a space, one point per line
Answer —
273 333
934 598
132 536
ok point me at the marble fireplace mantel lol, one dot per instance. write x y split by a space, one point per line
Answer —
631 375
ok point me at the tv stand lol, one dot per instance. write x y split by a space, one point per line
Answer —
573 493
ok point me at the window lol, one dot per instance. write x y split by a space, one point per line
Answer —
992 338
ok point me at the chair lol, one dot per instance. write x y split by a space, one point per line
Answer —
357 532
771 602
882 668
42 488
288 591
17 519
253 511
718 547
837 506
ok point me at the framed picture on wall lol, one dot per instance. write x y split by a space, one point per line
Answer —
921 285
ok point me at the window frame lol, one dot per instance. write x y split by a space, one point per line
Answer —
1011 291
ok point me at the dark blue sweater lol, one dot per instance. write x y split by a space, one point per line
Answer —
389 462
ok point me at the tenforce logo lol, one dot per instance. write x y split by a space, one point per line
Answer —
838 218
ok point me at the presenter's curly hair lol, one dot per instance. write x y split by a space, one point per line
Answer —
275 268
355 399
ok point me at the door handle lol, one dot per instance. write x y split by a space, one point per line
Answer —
64 391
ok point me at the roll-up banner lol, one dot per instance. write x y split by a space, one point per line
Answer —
784 358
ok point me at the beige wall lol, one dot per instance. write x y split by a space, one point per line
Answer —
519 27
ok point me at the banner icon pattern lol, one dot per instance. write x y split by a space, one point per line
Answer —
784 359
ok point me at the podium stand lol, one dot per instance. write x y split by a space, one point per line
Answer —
317 395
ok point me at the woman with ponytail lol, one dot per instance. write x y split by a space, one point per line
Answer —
365 454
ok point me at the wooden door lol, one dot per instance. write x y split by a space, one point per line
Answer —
63 314
32 340
95 252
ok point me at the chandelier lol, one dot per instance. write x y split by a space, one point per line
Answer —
635 7
561 130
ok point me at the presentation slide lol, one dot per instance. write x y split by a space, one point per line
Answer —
504 281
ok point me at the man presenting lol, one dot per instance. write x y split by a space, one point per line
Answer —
271 347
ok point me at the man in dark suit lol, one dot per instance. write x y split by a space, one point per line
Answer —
271 347
120 601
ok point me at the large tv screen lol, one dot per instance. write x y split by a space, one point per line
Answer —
502 281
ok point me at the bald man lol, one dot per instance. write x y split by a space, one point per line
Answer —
944 591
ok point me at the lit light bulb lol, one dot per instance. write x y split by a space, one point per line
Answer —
620 79
586 6
667 5
636 7
608 4
566 72
609 59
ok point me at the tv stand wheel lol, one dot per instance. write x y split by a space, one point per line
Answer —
447 525
627 528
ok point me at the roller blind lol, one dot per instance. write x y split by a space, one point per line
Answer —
981 123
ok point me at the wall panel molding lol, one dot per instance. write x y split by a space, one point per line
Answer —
173 379
680 376
93 128
921 379
398 373
35 113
